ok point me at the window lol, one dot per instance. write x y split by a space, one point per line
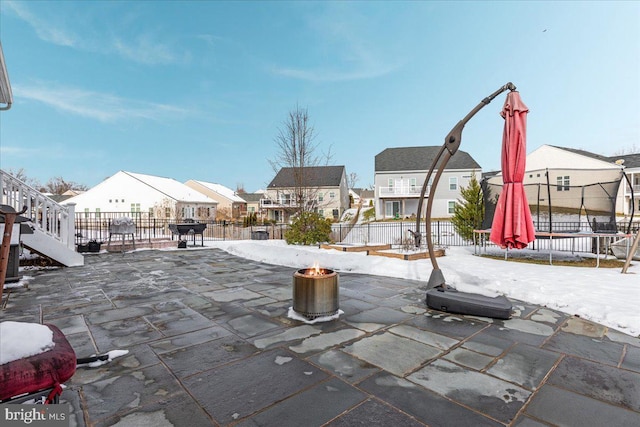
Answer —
321 212
86 212
451 207
453 183
412 184
332 194
109 200
562 183
251 209
335 214
320 197
390 183
167 212
150 212
97 212
135 207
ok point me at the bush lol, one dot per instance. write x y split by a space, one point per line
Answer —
369 215
308 228
250 219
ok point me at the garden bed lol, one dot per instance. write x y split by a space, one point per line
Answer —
406 255
355 247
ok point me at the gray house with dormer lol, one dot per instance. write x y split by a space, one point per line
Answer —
400 173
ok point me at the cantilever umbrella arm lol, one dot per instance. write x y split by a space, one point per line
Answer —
448 149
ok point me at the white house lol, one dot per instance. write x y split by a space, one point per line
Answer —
157 197
400 173
230 204
629 194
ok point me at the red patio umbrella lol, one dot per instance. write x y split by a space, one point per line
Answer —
512 224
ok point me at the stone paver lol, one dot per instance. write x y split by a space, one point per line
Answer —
210 344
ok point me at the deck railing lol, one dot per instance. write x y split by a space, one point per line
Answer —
46 215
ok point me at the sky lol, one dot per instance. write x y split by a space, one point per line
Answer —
199 89
601 295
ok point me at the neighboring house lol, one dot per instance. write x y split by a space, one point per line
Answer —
629 194
64 196
362 195
399 176
326 193
580 178
253 203
152 196
230 204
567 171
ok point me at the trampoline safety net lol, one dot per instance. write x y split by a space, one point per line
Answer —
561 208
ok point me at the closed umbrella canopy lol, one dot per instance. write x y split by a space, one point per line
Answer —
512 224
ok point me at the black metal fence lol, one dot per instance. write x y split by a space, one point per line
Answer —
96 227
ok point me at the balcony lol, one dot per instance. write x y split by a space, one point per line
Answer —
636 190
402 191
277 203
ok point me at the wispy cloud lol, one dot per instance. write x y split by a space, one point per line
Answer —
19 151
146 50
354 53
45 29
95 105
327 75
144 47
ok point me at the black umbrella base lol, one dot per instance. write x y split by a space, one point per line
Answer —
447 299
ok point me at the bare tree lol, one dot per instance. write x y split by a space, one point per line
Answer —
352 179
632 149
58 185
21 174
297 150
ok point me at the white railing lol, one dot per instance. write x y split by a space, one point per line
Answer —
46 215
402 191
278 203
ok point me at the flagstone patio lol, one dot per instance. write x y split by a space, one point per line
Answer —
210 343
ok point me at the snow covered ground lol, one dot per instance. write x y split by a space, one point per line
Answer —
602 295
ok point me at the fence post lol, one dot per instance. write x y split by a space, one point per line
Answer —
68 234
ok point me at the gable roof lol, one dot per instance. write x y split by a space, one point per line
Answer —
252 197
220 189
584 153
169 187
630 160
419 159
554 157
317 176
137 183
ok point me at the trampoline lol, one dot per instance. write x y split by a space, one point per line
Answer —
563 212
562 208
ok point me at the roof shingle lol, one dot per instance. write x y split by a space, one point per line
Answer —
419 159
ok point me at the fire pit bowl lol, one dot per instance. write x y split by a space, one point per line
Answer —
315 292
